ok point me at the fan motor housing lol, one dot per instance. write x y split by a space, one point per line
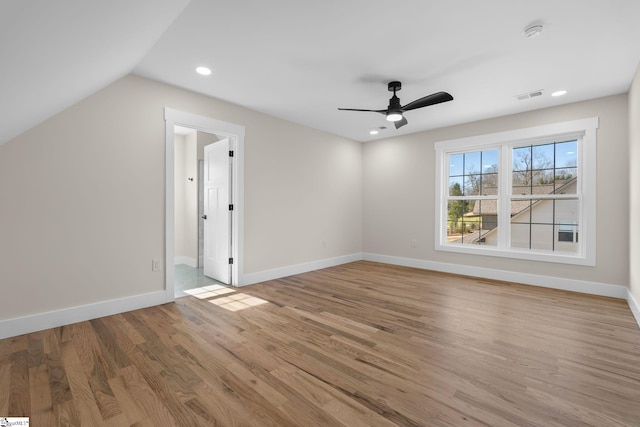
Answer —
394 86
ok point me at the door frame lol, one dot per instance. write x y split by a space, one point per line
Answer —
224 129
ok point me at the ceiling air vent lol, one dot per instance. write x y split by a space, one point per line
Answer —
529 95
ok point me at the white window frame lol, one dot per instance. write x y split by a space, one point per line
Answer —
584 130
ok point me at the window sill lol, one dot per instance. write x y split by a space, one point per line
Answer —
541 256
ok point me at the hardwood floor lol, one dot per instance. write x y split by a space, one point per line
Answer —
362 344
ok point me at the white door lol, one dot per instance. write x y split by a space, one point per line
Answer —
217 214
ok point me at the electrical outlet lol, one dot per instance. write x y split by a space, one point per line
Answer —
155 265
414 243
324 243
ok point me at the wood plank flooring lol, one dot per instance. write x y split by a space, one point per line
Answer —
362 344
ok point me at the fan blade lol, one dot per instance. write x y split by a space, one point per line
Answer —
357 109
400 123
434 98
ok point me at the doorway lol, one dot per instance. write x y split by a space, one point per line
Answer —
187 138
202 187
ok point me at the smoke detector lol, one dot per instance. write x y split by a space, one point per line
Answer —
533 31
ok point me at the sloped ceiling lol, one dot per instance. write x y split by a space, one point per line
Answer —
301 60
55 53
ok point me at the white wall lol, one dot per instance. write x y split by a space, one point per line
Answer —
82 197
303 196
634 180
205 138
398 192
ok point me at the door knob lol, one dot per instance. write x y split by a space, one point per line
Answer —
204 217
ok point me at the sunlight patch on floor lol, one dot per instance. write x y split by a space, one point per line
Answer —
238 301
210 291
221 296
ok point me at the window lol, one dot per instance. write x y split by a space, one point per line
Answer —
568 232
519 194
473 195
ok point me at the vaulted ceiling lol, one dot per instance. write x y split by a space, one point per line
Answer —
301 60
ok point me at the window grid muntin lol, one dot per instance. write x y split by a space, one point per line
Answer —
482 232
555 169
554 223
465 173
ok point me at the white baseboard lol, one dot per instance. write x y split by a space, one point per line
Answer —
66 316
191 262
586 287
634 306
278 273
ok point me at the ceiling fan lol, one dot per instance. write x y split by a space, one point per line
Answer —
394 111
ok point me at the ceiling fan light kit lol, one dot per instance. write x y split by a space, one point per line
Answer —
394 117
395 111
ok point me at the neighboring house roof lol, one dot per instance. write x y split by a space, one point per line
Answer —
472 237
490 207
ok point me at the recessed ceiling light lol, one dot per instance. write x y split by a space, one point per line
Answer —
373 132
559 93
203 71
533 31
